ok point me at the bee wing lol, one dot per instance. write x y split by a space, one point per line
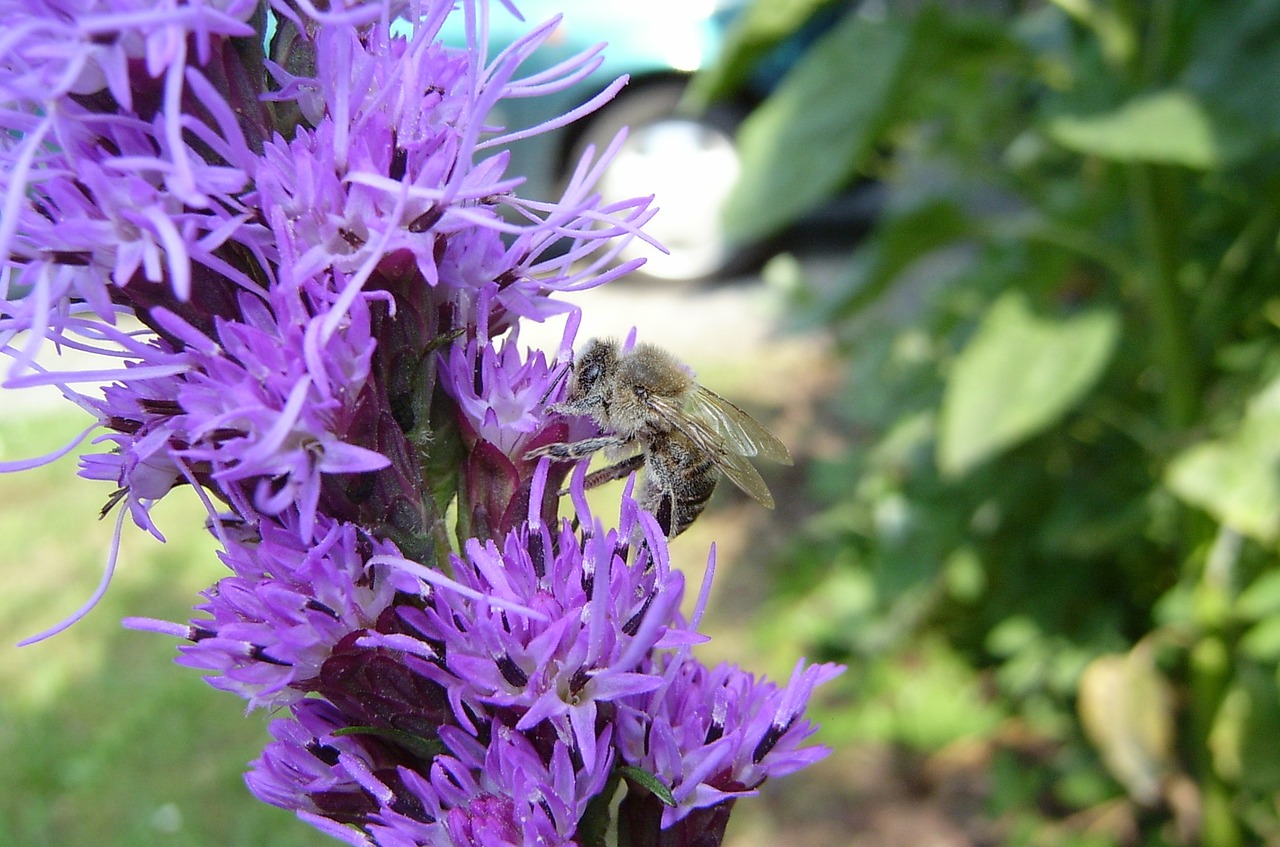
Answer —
741 433
730 461
742 474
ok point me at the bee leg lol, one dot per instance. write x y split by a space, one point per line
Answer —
610 473
574 408
576 449
617 471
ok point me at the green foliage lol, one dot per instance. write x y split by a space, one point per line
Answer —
650 783
1236 478
758 32
1166 127
1060 497
104 742
1017 376
777 184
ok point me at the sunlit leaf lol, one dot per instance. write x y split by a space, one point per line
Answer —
1237 478
810 136
1168 127
1262 642
424 748
1115 34
594 826
1126 709
1019 374
1261 599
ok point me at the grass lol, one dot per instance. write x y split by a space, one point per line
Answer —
104 741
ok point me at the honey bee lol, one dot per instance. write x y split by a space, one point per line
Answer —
687 434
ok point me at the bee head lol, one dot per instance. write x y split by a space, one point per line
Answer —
594 370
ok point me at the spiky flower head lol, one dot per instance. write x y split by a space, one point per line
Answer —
294 227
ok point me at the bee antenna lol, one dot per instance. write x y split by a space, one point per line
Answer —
555 383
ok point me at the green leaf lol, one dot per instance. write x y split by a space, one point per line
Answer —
424 748
1018 375
1237 478
1167 127
1262 642
812 134
650 782
1245 739
1233 59
1115 34
764 25
1261 599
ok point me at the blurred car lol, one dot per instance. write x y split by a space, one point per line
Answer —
689 161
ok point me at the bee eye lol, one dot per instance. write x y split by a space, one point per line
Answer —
641 392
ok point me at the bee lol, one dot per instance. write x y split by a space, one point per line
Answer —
687 434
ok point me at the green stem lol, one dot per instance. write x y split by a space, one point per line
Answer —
1156 203
1212 670
1210 678
1157 57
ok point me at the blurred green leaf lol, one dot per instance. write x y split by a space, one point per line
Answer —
1245 740
1262 642
1126 709
1015 634
1237 478
1261 599
1167 127
1019 374
812 134
1115 34
925 699
965 577
761 28
1082 541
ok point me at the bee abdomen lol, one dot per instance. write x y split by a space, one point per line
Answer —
691 498
677 496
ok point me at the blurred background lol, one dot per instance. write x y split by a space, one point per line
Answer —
1004 277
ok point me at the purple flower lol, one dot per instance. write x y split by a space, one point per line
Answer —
597 667
172 186
265 249
501 398
717 734
504 790
272 403
260 414
274 623
143 427
310 260
604 600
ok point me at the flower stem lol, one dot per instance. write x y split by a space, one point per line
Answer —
1157 206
